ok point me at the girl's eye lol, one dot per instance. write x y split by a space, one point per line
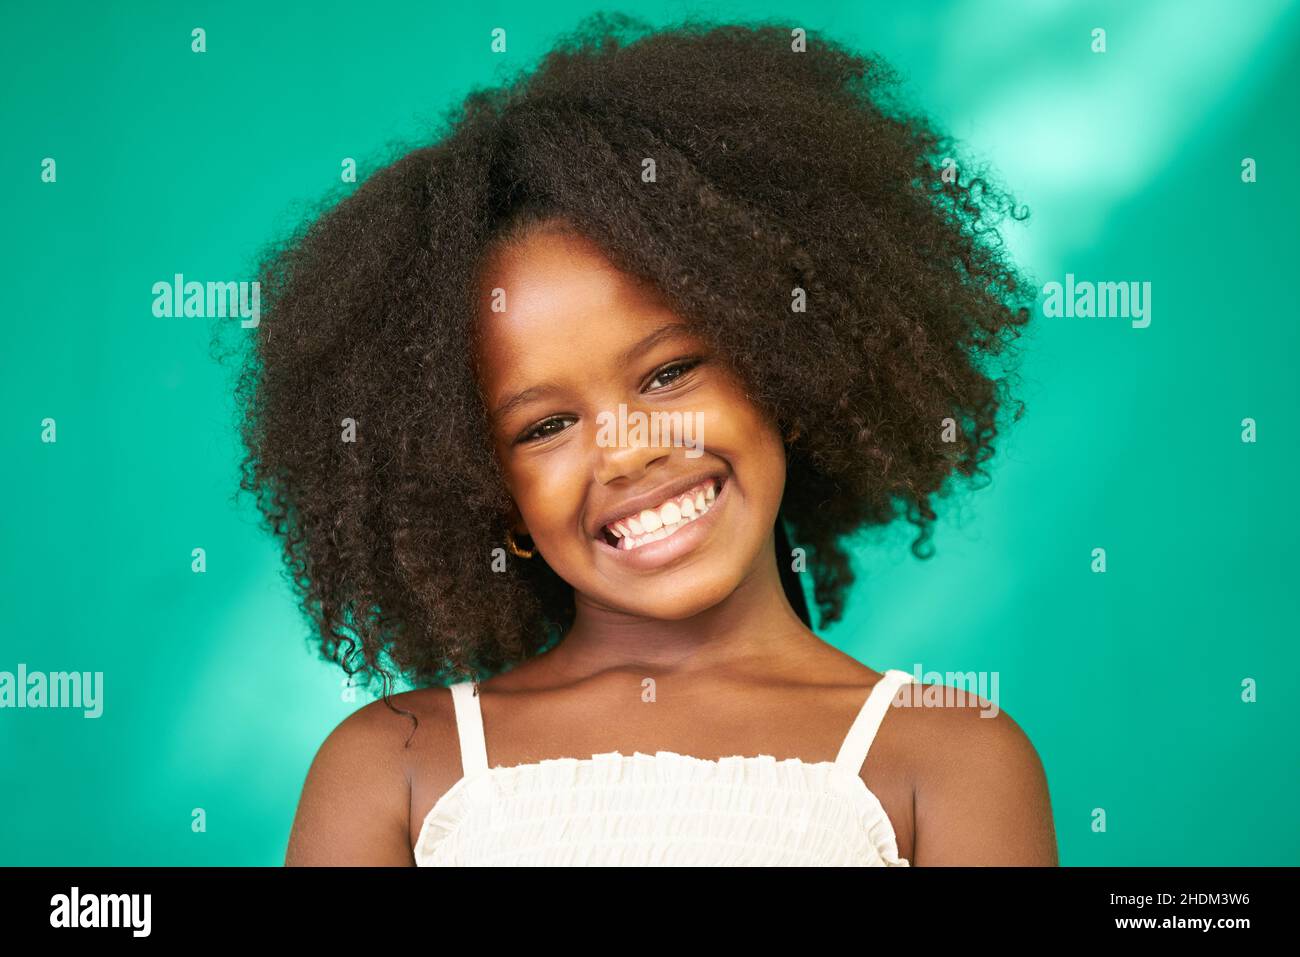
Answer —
544 429
554 425
674 371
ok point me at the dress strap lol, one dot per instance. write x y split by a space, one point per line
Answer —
469 726
853 752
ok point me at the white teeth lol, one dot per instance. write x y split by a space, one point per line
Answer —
651 525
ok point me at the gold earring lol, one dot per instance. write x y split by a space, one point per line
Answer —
793 435
514 546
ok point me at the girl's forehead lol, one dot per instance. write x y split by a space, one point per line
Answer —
555 296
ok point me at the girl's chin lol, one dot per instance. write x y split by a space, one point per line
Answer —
649 602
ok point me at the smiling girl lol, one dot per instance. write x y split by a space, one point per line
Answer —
613 657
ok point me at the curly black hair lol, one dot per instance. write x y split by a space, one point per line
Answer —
774 169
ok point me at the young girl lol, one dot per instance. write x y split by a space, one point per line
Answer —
551 414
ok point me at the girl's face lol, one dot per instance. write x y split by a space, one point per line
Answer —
618 427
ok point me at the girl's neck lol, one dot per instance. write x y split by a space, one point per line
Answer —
754 622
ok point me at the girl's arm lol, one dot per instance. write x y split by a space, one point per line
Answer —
355 804
981 794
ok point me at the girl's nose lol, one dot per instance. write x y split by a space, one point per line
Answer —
626 443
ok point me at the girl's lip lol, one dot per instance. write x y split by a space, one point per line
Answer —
666 550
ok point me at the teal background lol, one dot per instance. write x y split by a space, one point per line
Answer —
1127 682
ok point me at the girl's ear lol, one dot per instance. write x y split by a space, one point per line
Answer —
515 520
515 530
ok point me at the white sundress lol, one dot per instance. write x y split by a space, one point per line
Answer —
665 808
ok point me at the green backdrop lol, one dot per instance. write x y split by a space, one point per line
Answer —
1129 682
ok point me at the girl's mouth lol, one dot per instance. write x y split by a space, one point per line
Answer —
655 536
655 524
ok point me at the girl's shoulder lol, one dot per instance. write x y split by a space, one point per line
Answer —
979 785
355 802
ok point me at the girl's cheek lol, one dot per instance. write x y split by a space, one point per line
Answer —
550 488
737 424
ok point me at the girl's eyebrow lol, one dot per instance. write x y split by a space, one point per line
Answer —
666 331
527 395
